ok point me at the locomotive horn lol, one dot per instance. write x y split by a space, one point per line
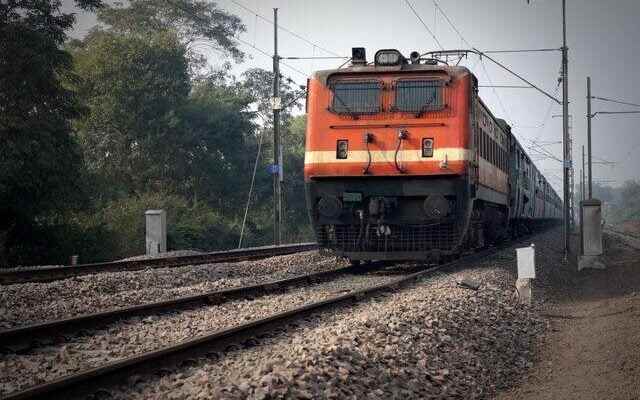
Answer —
414 57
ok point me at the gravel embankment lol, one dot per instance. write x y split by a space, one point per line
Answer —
26 303
136 335
433 340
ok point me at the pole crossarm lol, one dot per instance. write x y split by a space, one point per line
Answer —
626 103
484 54
506 86
613 112
315 58
521 51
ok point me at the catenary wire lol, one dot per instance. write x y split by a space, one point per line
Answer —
408 3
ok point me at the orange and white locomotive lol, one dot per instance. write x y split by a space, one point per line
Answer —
404 161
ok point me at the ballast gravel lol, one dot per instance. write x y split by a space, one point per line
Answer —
436 340
25 303
433 340
137 335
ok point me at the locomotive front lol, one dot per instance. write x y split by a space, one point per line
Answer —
386 161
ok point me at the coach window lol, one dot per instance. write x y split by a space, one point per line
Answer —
490 150
356 97
493 152
419 96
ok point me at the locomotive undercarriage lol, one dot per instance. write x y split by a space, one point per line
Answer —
391 218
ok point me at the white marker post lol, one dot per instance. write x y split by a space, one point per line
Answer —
156 237
526 258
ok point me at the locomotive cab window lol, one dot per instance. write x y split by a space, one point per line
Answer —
418 96
356 97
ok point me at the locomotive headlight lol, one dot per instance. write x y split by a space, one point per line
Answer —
427 147
388 57
342 149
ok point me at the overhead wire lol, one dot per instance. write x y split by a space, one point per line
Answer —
615 101
265 53
408 3
520 51
547 116
446 17
484 68
296 35
495 92
464 40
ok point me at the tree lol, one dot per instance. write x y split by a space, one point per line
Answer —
134 88
219 127
40 163
197 23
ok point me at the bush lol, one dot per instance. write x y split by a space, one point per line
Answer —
195 226
32 243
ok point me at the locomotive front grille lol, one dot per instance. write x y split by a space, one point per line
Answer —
441 236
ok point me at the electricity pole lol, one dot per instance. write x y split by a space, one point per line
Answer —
565 129
589 132
583 181
276 105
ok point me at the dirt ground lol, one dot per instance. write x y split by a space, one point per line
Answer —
592 347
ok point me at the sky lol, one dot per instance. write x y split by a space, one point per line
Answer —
602 37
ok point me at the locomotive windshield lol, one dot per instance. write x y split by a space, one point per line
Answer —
356 97
418 95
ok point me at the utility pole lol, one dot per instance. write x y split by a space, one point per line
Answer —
589 116
276 105
583 182
565 129
571 175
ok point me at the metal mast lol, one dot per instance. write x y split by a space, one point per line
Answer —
589 134
571 176
276 105
565 130
583 181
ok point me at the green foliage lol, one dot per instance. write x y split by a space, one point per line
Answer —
626 205
153 132
619 203
188 226
52 243
39 162
192 20
134 88
218 128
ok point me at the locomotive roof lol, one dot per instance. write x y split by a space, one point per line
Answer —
454 71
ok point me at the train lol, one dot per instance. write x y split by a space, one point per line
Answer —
404 161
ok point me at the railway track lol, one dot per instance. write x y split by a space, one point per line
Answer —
47 274
630 240
113 372
18 337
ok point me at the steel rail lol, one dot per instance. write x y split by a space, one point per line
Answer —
22 334
74 384
47 274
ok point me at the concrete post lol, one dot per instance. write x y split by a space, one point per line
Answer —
526 259
156 237
591 213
